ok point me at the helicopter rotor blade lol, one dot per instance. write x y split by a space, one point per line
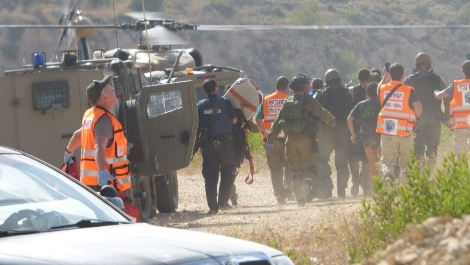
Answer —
252 27
322 27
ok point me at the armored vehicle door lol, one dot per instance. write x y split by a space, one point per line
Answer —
169 118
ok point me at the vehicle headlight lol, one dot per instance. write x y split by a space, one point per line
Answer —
282 260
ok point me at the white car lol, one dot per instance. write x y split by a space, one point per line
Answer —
47 217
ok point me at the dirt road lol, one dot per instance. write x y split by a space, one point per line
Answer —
315 230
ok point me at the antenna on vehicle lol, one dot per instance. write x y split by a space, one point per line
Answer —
115 23
176 62
147 36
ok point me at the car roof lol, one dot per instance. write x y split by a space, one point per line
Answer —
7 150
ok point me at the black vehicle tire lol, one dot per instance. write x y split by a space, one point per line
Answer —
143 198
166 187
130 111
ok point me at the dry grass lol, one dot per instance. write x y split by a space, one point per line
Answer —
316 232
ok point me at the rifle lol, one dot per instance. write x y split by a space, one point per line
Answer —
200 137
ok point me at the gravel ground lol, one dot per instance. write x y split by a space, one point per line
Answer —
312 229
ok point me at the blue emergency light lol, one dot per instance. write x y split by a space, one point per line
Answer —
39 59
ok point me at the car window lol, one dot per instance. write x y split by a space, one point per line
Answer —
32 190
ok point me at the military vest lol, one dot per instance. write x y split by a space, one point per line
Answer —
337 101
216 123
292 121
424 86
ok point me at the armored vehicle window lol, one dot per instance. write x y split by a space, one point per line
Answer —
163 102
54 95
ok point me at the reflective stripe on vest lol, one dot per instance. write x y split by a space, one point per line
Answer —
272 104
396 117
460 105
108 160
115 155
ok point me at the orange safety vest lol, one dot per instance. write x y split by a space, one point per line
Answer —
271 106
115 154
460 105
396 117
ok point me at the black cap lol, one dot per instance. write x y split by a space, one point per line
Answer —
466 67
93 91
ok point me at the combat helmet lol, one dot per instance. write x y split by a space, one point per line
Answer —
422 58
332 74
298 81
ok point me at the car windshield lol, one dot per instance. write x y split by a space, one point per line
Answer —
35 197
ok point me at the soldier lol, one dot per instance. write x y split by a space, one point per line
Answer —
356 149
296 115
428 131
459 92
337 100
281 173
216 120
397 120
365 113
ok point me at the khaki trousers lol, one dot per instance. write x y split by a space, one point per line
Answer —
281 173
395 151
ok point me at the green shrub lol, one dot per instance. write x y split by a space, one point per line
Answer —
256 144
277 11
306 14
356 16
394 206
348 65
419 8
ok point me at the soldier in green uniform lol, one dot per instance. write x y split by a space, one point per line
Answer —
297 115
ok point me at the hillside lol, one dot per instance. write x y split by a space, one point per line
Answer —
265 55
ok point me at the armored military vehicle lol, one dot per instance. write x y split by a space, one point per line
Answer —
42 105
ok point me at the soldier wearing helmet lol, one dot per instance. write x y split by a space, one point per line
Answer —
428 132
337 100
459 120
295 117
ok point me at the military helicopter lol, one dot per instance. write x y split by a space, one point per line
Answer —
156 50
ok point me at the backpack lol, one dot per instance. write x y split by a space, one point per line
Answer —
292 121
